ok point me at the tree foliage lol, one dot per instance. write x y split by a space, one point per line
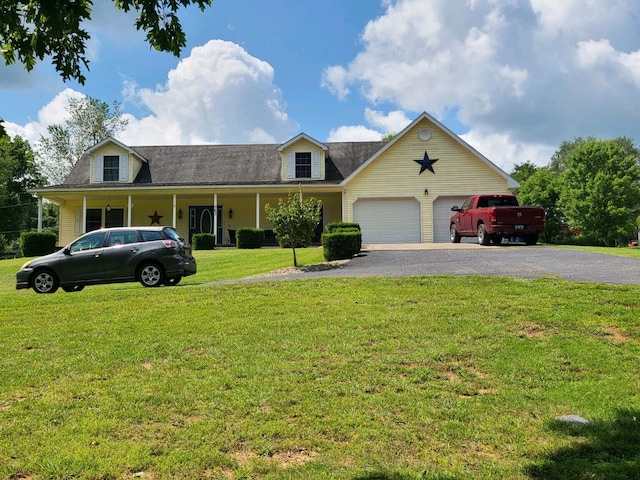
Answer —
600 193
294 220
90 121
31 30
542 187
18 173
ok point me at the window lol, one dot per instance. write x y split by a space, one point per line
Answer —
303 164
94 219
88 242
122 237
151 235
111 168
114 218
111 172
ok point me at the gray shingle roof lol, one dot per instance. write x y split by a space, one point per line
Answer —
228 164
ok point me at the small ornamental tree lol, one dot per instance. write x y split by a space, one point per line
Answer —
294 220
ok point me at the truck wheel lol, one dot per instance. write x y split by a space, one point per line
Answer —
453 234
483 237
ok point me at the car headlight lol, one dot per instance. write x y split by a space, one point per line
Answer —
26 265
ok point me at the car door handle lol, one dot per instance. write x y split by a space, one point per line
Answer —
97 255
134 249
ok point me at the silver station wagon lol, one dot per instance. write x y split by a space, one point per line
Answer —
153 256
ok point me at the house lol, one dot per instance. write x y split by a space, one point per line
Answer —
399 191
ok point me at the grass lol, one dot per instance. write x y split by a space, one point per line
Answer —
436 378
630 252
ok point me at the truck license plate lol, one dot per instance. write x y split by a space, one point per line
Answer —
519 227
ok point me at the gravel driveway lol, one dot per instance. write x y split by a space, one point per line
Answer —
516 261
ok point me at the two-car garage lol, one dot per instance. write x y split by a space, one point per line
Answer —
398 220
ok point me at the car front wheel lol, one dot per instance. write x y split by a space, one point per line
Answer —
151 275
453 234
45 281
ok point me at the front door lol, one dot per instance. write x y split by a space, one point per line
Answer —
201 220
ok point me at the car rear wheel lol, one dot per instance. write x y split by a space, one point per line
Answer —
483 236
151 275
45 281
173 280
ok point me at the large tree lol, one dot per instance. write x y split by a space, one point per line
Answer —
18 173
90 121
31 30
600 193
294 221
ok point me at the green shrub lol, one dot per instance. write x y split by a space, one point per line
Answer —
250 238
203 241
3 243
335 226
341 244
37 243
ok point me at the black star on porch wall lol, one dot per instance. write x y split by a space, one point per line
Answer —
426 163
155 218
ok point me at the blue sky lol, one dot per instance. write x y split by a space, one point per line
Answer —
513 78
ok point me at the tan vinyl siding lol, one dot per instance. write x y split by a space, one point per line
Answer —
395 174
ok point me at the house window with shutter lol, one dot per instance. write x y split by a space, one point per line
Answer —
111 168
303 164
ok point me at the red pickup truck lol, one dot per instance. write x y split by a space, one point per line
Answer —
493 218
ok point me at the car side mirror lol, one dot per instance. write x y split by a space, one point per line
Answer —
455 208
67 251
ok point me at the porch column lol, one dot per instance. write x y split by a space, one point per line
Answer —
84 215
215 218
344 206
129 209
39 214
257 210
175 212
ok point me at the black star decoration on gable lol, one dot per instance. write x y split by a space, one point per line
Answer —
426 163
155 218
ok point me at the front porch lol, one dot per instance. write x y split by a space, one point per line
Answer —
219 213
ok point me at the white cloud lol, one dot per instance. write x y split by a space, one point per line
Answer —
55 112
527 75
219 94
392 122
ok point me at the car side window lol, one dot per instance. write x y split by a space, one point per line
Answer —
465 205
88 242
122 237
150 235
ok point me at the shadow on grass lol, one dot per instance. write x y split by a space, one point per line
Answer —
400 476
603 451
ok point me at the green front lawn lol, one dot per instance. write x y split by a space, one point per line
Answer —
363 379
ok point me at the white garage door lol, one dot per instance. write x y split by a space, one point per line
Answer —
388 220
442 214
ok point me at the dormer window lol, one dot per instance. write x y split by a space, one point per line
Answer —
303 164
111 168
